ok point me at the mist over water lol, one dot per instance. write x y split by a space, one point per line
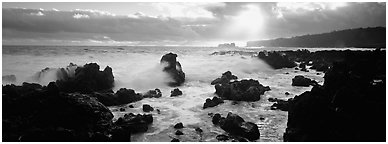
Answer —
139 68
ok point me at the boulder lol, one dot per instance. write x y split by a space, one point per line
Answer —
276 60
212 102
303 81
244 90
152 94
199 130
176 92
173 68
175 140
87 79
147 108
135 123
124 96
178 125
280 104
178 132
236 125
225 78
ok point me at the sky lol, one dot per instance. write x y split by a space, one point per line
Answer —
180 23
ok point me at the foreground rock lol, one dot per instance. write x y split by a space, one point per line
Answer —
303 81
276 60
176 92
244 90
225 78
135 123
236 125
350 106
147 108
86 79
122 96
212 102
173 68
32 113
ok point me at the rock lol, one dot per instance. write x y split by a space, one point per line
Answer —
122 109
262 118
176 92
147 108
87 79
281 104
216 118
236 125
158 111
244 90
153 94
199 130
175 140
124 96
222 137
135 123
276 60
287 93
304 69
178 132
333 112
302 81
212 102
9 78
173 68
178 126
225 78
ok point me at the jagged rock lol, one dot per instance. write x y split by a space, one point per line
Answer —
178 126
352 89
287 93
135 123
175 140
87 79
198 130
225 78
236 125
173 68
122 109
303 81
212 102
244 90
176 92
216 118
276 60
280 104
178 132
147 108
153 94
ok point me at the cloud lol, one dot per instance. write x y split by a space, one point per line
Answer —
187 23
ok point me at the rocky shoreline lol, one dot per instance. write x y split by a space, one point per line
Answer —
74 108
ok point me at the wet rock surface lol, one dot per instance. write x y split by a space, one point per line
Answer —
303 81
173 68
212 102
176 92
244 90
353 88
225 78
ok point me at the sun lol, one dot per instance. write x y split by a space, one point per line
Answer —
247 24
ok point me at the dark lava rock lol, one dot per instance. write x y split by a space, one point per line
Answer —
281 104
153 94
175 140
276 60
9 78
178 132
178 126
158 111
225 78
198 130
173 68
236 125
244 90
131 106
176 92
212 102
135 123
86 79
122 109
222 137
216 118
353 89
122 96
287 93
147 108
303 81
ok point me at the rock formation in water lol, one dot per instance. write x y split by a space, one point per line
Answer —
225 78
32 113
350 106
122 96
244 90
280 104
152 94
173 68
212 102
236 125
176 92
303 81
276 60
88 79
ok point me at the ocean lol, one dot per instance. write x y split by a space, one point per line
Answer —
138 68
